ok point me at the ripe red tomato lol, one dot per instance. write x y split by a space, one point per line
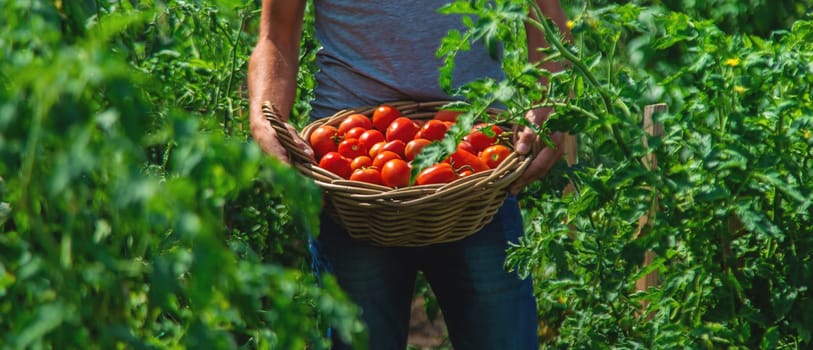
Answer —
370 138
396 146
376 149
395 173
384 115
369 175
464 172
465 145
494 155
383 157
480 140
402 128
462 159
336 163
449 116
353 121
354 133
361 162
433 130
351 148
323 140
440 173
414 147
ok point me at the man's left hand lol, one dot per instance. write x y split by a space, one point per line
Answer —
547 156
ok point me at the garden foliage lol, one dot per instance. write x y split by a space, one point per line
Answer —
137 213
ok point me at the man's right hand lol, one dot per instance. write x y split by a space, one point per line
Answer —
272 71
266 138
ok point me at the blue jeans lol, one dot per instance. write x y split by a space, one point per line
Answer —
484 306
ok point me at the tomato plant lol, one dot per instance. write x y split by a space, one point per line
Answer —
729 193
135 212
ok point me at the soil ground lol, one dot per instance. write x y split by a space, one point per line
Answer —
423 333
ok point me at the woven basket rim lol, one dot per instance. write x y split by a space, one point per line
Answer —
328 179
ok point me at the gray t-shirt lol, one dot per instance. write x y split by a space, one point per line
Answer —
375 51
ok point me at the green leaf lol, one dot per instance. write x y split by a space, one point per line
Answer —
504 91
770 339
46 318
755 220
458 7
784 185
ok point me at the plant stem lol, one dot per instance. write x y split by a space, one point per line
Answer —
553 39
779 148
582 68
235 44
567 106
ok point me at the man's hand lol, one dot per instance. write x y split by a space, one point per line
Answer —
545 159
527 139
266 138
272 70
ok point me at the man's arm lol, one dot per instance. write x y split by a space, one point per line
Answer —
273 67
548 156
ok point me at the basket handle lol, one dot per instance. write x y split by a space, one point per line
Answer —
286 136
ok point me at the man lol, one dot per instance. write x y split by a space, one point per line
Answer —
377 51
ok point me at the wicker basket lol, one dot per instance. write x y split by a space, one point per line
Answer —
409 216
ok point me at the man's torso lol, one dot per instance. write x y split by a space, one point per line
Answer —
378 51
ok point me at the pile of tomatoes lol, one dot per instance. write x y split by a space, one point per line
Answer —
379 149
